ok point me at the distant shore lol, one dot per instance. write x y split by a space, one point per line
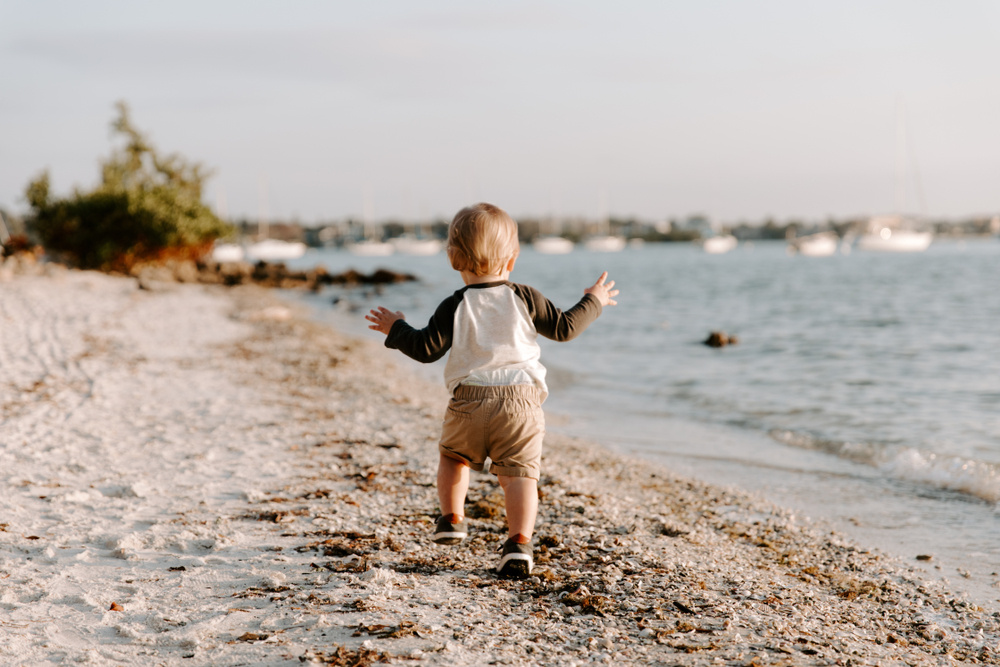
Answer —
198 472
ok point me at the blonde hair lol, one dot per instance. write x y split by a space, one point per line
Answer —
482 239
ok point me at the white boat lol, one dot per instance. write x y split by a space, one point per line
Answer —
227 252
822 244
887 233
411 245
896 240
717 245
371 248
604 240
605 243
270 250
552 245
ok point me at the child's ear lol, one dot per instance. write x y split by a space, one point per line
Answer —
510 263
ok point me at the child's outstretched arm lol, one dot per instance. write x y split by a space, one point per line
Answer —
603 291
560 325
384 318
425 345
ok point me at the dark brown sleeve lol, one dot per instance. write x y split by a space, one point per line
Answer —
554 323
433 341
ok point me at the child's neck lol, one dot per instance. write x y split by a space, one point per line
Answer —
472 279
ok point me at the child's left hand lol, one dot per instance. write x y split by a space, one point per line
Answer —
604 292
383 319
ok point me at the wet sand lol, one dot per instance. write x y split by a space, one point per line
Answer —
195 475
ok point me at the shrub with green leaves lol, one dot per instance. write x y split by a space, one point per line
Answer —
146 207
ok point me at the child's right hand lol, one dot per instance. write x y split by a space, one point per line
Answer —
384 319
603 291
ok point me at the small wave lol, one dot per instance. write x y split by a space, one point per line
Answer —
952 473
859 452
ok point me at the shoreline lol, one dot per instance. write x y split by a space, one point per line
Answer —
831 493
248 486
835 495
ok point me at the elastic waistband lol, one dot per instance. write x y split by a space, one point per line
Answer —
477 393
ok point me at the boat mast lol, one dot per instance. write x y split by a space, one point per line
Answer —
904 150
263 229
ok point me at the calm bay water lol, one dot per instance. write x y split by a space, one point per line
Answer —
864 391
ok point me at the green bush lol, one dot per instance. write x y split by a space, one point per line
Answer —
146 208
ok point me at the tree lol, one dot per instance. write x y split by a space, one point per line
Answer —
146 208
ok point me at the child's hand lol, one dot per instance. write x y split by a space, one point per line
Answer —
603 291
383 319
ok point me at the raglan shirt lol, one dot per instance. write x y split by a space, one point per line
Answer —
492 331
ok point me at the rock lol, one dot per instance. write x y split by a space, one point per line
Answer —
185 271
383 276
720 339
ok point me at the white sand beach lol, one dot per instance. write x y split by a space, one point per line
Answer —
198 475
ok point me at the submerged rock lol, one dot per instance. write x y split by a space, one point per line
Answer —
720 339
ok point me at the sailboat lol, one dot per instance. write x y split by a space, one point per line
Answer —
604 240
548 242
717 245
275 250
889 233
552 245
265 249
409 244
369 246
820 244
417 242
895 233
227 252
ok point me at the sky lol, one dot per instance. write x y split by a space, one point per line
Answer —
319 111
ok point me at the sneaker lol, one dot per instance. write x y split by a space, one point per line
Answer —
446 532
515 560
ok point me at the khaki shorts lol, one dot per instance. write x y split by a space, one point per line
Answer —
505 424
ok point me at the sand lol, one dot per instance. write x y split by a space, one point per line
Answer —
197 475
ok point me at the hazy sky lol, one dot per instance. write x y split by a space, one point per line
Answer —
736 109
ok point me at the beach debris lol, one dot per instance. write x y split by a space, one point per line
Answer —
490 506
382 631
925 557
116 607
672 531
720 339
346 543
252 637
341 656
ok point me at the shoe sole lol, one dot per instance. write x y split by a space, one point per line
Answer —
449 538
515 566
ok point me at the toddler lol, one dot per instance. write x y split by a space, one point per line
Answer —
496 380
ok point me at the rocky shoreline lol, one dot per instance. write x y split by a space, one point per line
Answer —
313 547
208 272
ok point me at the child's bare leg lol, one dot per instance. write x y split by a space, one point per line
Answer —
521 498
453 485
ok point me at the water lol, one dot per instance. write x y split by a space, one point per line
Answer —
864 391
